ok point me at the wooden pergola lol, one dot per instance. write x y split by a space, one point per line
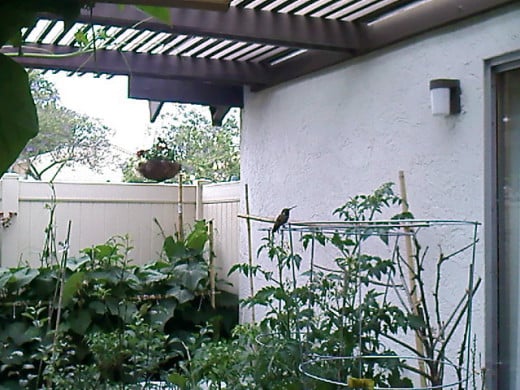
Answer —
207 51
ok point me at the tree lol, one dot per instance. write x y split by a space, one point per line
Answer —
18 118
65 135
205 151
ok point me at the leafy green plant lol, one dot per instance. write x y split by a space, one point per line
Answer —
325 316
111 322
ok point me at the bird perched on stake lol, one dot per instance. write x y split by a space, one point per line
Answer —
282 218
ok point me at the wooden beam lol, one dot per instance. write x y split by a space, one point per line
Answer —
302 65
154 109
155 66
240 24
215 5
424 17
182 91
218 113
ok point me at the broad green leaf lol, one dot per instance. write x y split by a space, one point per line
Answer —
75 262
98 307
174 249
197 239
18 119
181 294
124 310
100 252
162 313
71 287
161 13
190 275
79 321
127 311
17 331
149 276
44 284
22 277
5 275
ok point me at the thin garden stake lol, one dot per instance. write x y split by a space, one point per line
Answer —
250 253
61 282
211 265
411 274
180 232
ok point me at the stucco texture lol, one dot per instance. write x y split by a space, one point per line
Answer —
318 140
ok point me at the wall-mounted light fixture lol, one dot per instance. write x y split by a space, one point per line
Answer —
445 96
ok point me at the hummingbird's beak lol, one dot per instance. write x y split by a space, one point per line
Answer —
290 208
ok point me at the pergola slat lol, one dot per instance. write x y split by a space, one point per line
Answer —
239 24
217 5
249 44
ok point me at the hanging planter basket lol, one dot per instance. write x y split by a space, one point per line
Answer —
159 169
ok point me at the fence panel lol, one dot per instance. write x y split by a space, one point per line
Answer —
100 211
221 205
96 211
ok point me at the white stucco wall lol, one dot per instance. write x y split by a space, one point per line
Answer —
318 140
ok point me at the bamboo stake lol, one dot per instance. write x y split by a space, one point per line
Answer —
411 275
180 232
212 274
250 253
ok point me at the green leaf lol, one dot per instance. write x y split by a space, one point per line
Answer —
79 321
174 249
81 37
22 277
98 307
16 331
74 263
5 275
161 13
71 287
18 119
162 313
416 322
191 275
100 252
181 294
178 379
197 239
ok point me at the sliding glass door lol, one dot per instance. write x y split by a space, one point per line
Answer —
508 224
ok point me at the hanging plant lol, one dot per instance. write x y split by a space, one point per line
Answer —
158 163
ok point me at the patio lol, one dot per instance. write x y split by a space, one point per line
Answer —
335 97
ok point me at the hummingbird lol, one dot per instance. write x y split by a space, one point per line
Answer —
282 218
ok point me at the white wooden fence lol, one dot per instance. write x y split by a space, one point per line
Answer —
100 211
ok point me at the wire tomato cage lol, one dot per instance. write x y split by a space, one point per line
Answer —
395 306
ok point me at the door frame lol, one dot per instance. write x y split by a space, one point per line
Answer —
492 67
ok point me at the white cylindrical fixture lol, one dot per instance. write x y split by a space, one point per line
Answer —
440 101
445 96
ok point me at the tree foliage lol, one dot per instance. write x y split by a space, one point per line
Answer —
205 151
18 119
65 135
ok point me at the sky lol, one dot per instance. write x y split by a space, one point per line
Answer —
106 99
